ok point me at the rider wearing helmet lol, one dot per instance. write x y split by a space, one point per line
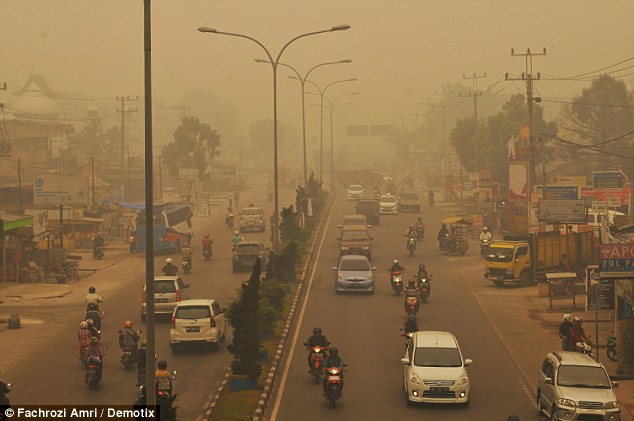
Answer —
577 334
207 241
396 267
95 354
564 331
443 232
485 234
316 339
169 269
333 360
423 274
236 239
84 336
163 377
128 338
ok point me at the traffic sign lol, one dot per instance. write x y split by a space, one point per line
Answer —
608 179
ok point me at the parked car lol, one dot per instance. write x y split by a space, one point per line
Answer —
409 202
355 241
354 192
252 219
197 321
168 292
354 274
388 205
434 370
370 209
573 386
247 252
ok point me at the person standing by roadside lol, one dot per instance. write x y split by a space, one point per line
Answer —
564 331
236 197
230 199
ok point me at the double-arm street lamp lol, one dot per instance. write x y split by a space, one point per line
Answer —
331 104
274 64
321 121
302 81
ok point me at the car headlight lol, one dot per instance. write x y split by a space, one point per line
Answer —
463 380
365 248
370 277
611 405
341 277
413 378
569 403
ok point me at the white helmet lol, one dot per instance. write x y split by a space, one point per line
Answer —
168 260
395 262
566 317
236 233
485 229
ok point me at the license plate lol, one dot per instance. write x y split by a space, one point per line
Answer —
192 329
333 378
440 389
355 285
161 300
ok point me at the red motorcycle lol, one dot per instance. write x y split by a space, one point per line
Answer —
411 305
396 280
317 357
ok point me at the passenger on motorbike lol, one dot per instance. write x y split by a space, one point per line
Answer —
84 336
94 332
236 239
564 332
396 267
485 235
333 360
410 326
95 354
207 242
169 269
163 377
186 255
97 243
577 334
92 297
129 338
316 339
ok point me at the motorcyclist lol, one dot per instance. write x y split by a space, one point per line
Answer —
564 332
419 228
186 255
577 334
410 326
169 269
129 338
229 217
84 336
163 377
485 234
396 267
207 242
141 358
95 353
442 234
236 239
411 290
316 339
97 243
4 400
423 274
333 360
92 312
411 232
92 297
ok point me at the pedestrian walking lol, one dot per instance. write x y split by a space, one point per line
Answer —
236 197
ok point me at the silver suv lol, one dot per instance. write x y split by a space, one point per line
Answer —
168 292
572 386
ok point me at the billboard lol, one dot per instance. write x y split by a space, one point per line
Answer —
560 192
559 211
616 260
55 189
518 181
608 179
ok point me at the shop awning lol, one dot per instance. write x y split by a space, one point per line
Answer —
456 220
13 221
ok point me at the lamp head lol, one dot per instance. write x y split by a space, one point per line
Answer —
340 28
261 60
207 29
345 61
352 80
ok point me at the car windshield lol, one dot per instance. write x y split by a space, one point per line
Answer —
583 376
251 211
354 265
409 196
437 357
355 187
354 235
248 248
164 287
388 199
192 312
499 254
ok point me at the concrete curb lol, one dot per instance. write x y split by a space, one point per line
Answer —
277 358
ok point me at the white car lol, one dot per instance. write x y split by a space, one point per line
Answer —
388 205
434 370
354 192
197 321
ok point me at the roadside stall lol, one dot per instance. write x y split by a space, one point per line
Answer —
16 235
458 241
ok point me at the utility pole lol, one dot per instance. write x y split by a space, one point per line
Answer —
122 148
476 143
446 160
128 184
527 76
92 169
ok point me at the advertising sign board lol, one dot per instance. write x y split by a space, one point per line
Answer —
55 189
518 181
560 192
559 211
604 296
608 179
616 260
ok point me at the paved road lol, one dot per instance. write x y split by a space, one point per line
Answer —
366 330
52 374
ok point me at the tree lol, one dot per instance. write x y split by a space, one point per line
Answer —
94 142
244 320
193 146
289 227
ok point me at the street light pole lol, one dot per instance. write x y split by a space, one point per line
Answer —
332 153
274 63
321 121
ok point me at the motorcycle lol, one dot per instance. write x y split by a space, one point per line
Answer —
412 305
229 220
132 242
484 247
583 348
420 233
92 312
396 280
57 267
187 265
207 252
4 401
333 384
610 348
317 357
408 337
128 354
424 290
164 400
411 246
93 373
98 253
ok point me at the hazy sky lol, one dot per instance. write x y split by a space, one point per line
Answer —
401 51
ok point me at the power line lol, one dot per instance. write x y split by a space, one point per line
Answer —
589 104
595 71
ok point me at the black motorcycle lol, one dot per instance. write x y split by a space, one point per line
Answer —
93 373
207 252
128 354
334 381
98 253
93 313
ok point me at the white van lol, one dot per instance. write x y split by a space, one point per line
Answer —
594 219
